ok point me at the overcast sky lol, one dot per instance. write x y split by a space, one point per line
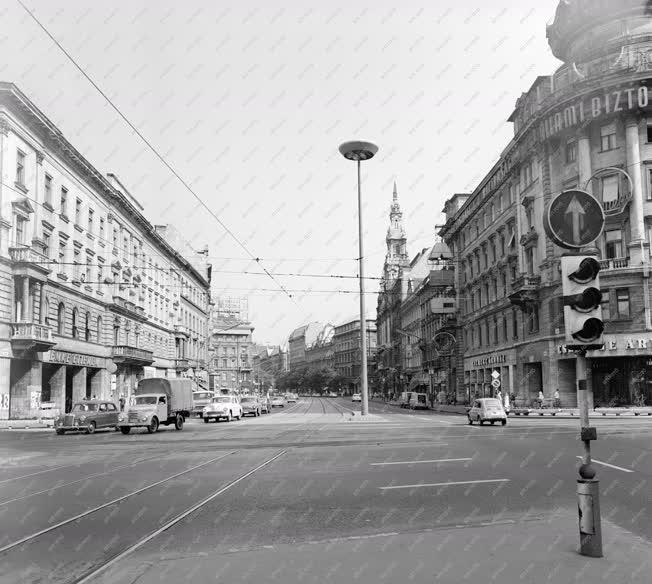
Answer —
249 101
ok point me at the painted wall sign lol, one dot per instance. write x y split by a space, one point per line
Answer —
74 359
617 344
594 107
489 360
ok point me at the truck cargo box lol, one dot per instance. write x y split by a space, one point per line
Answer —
179 391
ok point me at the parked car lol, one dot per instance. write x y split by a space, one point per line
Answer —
418 401
250 406
488 409
278 402
88 416
356 397
265 405
224 407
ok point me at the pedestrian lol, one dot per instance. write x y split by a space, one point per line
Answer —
541 398
122 403
499 396
557 401
506 403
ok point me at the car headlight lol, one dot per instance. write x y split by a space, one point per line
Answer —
82 418
143 419
121 418
206 409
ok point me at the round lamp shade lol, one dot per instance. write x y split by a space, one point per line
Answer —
358 150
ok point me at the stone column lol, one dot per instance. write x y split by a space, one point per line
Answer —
42 313
35 386
100 385
638 247
78 383
58 388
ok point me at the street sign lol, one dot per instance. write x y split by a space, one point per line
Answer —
574 219
496 383
495 374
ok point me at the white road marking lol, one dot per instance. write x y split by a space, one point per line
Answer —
609 465
444 484
419 461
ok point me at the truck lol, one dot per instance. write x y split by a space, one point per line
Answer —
405 399
418 401
156 401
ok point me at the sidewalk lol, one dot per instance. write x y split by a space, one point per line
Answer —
532 551
26 424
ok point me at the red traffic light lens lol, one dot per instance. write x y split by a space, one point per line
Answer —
591 331
587 271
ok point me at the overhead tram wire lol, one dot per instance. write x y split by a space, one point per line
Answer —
155 151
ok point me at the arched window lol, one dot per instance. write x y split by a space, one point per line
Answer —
75 323
99 329
88 326
61 319
46 311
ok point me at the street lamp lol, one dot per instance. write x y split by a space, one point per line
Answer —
360 151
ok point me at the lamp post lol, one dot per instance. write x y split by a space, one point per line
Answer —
360 151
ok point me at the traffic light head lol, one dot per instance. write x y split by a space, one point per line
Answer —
582 298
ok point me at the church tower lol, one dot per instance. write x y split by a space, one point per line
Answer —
396 257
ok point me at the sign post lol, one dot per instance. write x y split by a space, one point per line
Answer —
574 220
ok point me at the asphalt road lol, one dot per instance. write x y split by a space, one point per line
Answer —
114 508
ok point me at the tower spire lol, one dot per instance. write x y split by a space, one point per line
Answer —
395 195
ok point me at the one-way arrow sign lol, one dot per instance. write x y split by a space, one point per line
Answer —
574 219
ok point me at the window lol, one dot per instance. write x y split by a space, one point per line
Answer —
88 327
20 230
75 323
62 253
609 188
98 329
46 244
78 206
528 217
622 303
613 244
649 130
48 190
605 305
64 201
88 277
76 262
502 244
61 319
224 363
529 260
505 328
101 227
608 137
116 334
571 151
533 319
20 168
116 231
514 325
90 220
503 278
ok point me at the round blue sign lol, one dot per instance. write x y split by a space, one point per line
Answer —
574 219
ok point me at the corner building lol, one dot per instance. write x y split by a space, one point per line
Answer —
92 296
587 126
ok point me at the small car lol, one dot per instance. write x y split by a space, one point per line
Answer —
488 409
88 416
278 402
265 405
250 406
418 401
292 398
356 397
225 407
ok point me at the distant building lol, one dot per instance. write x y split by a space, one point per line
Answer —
320 354
348 354
268 363
232 351
302 337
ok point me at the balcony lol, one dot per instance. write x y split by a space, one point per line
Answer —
616 206
29 262
30 336
525 290
131 355
181 330
181 364
614 264
128 308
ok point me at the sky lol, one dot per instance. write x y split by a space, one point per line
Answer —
249 101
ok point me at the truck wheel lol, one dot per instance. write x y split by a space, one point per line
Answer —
153 427
470 421
206 420
90 429
178 423
125 429
503 422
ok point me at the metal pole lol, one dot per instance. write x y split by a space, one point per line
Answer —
588 489
363 320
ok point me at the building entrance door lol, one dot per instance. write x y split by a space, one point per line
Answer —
68 374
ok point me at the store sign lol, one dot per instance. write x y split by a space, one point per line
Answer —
586 109
622 344
74 359
489 360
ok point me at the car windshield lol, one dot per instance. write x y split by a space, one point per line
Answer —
245 400
145 400
493 403
221 400
201 395
421 399
84 408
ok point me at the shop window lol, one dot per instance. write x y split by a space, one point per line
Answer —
608 137
605 305
613 244
609 188
571 151
61 319
622 303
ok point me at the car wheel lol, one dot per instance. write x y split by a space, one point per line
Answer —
470 421
257 413
481 421
178 423
493 422
125 429
153 427
240 416
503 422
60 432
90 429
206 420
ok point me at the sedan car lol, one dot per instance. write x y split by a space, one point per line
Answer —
292 398
224 407
278 402
356 397
487 409
250 406
88 416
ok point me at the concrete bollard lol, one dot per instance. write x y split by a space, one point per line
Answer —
588 494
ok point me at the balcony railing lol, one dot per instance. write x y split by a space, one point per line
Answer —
133 354
126 305
181 364
614 264
26 254
31 330
526 281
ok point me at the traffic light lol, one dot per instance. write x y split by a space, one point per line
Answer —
582 297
